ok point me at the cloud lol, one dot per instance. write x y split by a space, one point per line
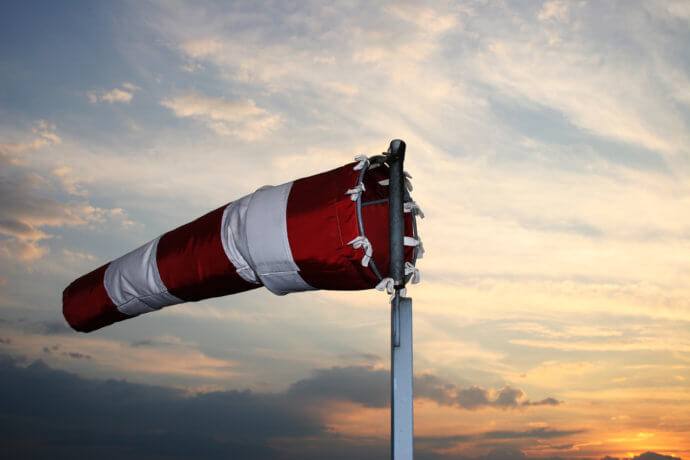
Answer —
201 48
228 117
178 361
130 86
122 95
494 438
77 256
46 410
597 84
44 136
670 9
47 327
475 397
360 384
68 182
63 412
76 355
24 214
541 433
26 210
554 10
656 343
425 18
565 333
49 350
40 327
163 341
368 358
368 386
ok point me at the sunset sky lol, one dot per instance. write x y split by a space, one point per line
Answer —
549 144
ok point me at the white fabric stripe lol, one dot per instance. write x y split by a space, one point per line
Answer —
232 228
134 284
267 241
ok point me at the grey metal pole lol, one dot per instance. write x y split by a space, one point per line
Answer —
402 430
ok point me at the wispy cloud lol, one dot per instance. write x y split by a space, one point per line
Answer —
27 211
628 344
44 136
228 117
116 95
181 359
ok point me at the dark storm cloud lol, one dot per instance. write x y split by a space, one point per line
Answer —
360 384
75 355
44 410
448 394
46 413
544 402
369 386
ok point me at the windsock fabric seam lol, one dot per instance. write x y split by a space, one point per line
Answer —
232 225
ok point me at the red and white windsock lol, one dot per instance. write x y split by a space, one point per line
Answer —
328 231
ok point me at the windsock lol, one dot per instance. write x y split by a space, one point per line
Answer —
327 231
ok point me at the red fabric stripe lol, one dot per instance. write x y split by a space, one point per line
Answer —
376 226
192 263
86 305
375 219
318 226
321 220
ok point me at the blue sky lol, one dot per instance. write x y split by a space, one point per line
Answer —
549 147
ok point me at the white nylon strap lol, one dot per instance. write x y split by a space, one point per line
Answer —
356 192
411 206
363 160
387 284
414 271
363 242
408 184
409 241
420 250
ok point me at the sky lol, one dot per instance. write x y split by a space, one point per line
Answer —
549 145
